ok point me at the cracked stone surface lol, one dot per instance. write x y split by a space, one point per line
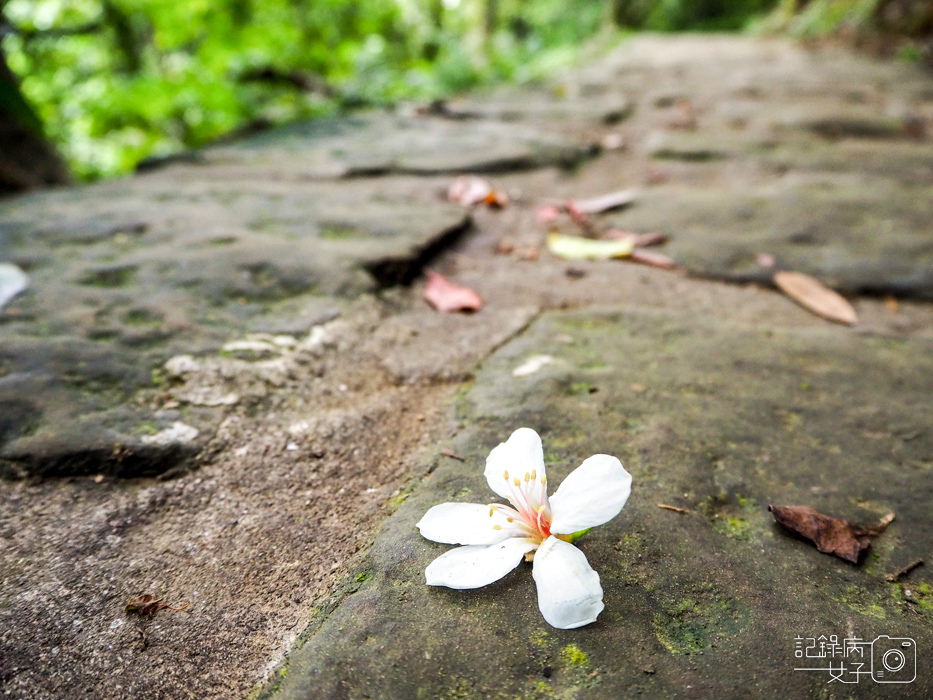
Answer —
126 274
241 333
397 144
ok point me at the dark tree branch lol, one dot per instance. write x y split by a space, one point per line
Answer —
127 42
53 33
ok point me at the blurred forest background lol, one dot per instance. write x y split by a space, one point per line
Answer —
92 88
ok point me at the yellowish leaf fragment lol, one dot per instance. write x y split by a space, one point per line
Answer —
576 248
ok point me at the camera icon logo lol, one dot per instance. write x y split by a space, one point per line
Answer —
893 659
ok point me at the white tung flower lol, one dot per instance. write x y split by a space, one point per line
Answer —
496 537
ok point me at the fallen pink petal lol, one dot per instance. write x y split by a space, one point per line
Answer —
468 190
547 214
445 296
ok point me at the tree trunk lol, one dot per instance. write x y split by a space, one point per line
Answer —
491 20
27 159
629 14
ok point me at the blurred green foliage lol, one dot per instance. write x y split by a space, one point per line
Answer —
907 20
116 81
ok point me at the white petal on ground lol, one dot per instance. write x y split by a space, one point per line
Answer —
569 594
591 495
12 282
521 453
532 365
465 523
477 566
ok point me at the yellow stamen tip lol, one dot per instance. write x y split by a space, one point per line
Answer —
516 481
511 520
543 480
491 511
505 475
534 474
527 477
540 509
496 527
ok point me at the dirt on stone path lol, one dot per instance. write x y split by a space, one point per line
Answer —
726 137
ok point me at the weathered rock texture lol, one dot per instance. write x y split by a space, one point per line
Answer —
711 418
242 334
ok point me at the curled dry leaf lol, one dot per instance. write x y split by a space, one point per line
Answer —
149 605
813 296
642 240
577 248
648 257
830 535
446 296
606 202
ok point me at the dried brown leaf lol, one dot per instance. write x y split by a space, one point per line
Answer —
830 535
606 202
812 295
447 452
647 257
641 240
146 604
446 296
901 573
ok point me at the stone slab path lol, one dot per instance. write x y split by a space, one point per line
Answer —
222 387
